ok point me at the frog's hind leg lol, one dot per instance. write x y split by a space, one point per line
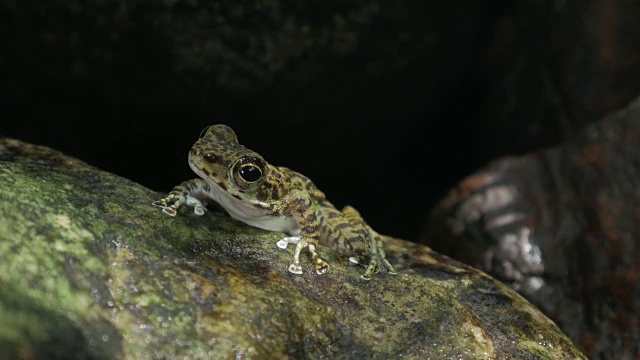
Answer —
381 254
377 256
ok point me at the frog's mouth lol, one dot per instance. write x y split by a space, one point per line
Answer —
220 189
200 172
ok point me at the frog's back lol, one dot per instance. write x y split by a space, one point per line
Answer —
298 181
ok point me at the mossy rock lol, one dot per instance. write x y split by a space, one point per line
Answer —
89 269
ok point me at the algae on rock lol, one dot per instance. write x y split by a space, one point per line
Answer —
88 268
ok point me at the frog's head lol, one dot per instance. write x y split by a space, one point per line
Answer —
218 158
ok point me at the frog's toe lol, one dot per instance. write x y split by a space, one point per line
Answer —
199 207
388 266
295 268
282 243
169 210
354 261
321 267
162 203
199 210
372 269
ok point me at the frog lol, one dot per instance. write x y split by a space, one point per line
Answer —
274 198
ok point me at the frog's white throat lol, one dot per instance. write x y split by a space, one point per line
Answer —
249 211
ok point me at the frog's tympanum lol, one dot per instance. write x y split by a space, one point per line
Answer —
274 198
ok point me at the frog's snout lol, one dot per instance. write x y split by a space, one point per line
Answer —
197 153
206 156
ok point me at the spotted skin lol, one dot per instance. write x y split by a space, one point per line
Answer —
274 198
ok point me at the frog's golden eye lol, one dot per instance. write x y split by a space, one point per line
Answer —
248 172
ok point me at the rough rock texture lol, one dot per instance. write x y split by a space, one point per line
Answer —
89 269
562 226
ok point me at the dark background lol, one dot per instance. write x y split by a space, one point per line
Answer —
384 104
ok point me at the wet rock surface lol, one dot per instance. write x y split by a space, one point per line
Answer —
89 269
562 227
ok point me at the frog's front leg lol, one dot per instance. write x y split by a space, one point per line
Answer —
299 205
191 192
284 242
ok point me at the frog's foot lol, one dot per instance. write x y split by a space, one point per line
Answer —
373 267
169 205
295 267
173 201
388 266
371 270
321 266
383 258
284 242
199 206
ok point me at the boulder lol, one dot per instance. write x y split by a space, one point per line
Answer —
562 227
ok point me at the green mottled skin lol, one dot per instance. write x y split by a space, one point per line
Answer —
274 198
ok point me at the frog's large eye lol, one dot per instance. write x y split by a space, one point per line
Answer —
248 171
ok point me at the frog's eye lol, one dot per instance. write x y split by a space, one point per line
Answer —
248 172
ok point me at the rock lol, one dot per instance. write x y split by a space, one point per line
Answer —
562 227
89 269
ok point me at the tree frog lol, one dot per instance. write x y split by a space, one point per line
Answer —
274 198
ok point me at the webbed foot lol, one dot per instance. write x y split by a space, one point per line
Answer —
321 266
374 266
173 201
295 268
